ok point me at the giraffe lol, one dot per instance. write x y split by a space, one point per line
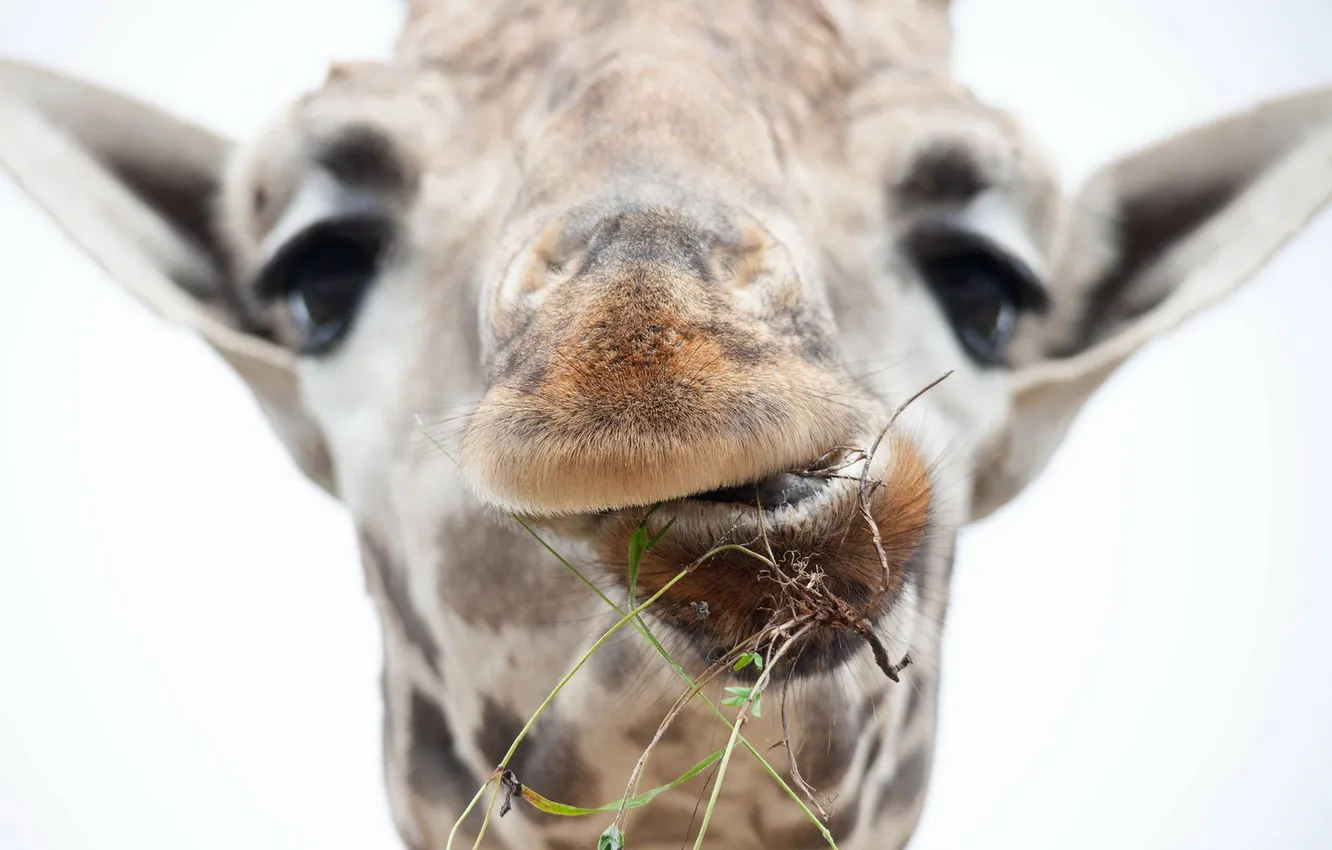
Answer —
636 254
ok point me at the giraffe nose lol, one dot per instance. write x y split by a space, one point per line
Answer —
670 355
660 239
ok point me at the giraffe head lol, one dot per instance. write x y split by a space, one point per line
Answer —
625 255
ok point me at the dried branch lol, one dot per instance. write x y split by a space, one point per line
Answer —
864 478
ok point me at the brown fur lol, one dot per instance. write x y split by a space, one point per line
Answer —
743 596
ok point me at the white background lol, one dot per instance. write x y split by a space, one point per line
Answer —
1140 647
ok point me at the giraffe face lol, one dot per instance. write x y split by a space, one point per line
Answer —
694 267
673 280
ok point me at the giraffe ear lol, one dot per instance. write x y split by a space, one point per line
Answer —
134 187
1153 239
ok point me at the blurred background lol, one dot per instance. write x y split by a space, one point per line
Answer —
1138 651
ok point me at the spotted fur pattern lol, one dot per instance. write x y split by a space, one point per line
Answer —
656 248
642 252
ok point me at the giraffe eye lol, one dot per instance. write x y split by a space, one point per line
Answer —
980 287
322 274
980 299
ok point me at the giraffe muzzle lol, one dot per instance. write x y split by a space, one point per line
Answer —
826 545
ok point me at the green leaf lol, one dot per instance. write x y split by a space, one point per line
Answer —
742 694
611 839
638 544
554 808
652 544
747 659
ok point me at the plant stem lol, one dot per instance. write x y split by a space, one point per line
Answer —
581 661
754 694
633 614
467 811
642 629
744 742
666 721
485 822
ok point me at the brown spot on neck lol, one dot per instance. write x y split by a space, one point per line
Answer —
904 794
548 760
390 580
435 770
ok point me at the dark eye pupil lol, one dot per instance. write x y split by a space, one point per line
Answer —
980 293
324 273
975 294
328 299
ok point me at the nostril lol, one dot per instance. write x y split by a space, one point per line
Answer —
776 491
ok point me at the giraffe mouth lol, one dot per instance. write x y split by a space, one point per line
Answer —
820 546
797 503
785 489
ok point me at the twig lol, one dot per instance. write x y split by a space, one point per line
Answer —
740 718
822 466
881 654
504 762
679 706
790 754
694 690
643 629
864 477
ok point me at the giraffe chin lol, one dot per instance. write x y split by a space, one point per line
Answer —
812 560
